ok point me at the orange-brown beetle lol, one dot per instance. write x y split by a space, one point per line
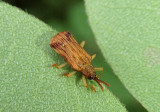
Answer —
79 60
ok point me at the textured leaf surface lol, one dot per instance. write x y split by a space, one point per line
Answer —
128 33
28 83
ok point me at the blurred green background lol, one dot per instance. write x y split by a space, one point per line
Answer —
69 15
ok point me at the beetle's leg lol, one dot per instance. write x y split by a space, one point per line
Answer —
82 44
59 66
85 84
99 69
93 56
69 74
54 65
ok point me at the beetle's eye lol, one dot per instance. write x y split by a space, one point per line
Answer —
90 77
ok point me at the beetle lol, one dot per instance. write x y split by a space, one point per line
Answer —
78 59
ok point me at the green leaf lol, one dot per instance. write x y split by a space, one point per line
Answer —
28 82
128 34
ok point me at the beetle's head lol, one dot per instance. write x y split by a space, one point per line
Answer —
92 76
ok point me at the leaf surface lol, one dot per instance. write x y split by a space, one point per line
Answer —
28 82
128 34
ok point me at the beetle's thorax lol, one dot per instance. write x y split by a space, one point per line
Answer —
88 71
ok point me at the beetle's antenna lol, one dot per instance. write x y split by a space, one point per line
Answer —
99 81
104 82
